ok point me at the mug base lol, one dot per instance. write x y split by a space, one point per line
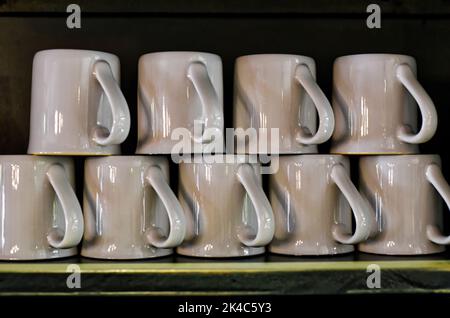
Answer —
371 153
282 151
97 255
42 255
366 149
335 250
247 252
63 153
397 251
166 147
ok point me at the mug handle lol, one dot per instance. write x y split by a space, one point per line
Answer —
436 178
212 117
326 117
119 107
426 106
155 178
73 217
264 214
364 215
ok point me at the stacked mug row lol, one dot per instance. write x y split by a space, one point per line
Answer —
220 210
78 108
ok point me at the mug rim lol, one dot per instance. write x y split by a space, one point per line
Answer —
20 156
60 51
173 53
401 156
314 155
266 55
24 156
373 55
234 158
121 158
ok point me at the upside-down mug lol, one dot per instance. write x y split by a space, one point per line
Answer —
77 107
180 102
374 97
313 198
405 192
276 96
227 212
40 216
130 210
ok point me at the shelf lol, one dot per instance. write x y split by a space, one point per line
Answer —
266 275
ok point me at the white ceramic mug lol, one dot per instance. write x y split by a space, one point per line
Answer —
40 216
227 212
405 193
130 210
177 90
374 97
278 91
77 107
312 198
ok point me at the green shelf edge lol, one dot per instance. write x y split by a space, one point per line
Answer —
198 268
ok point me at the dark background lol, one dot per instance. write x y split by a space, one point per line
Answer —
322 29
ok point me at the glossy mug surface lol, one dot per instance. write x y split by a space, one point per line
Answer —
40 216
130 210
374 101
180 98
405 192
312 198
77 107
279 92
227 212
